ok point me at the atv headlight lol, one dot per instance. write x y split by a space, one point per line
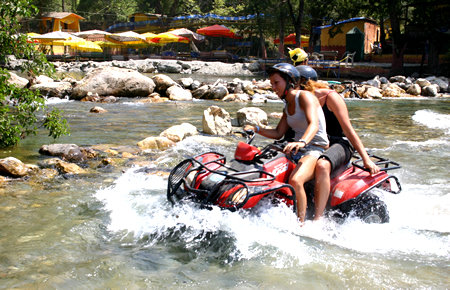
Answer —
190 177
237 197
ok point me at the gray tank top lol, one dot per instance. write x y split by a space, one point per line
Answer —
298 123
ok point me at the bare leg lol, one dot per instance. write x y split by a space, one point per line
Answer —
301 174
322 187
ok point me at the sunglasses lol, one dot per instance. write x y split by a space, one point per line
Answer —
294 57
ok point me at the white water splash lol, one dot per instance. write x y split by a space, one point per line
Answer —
136 104
433 120
55 100
137 204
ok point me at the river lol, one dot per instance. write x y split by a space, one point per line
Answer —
116 229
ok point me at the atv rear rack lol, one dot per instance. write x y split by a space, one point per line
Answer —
384 163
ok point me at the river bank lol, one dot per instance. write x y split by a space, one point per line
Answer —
145 78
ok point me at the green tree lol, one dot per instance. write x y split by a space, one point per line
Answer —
105 12
20 108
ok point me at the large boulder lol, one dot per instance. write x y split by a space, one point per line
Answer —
393 91
169 67
218 92
163 82
160 143
145 66
179 132
220 68
236 98
17 81
216 121
252 116
177 93
375 82
11 166
53 89
397 79
114 81
430 91
423 82
372 93
442 82
201 92
70 152
62 166
186 82
42 79
414 90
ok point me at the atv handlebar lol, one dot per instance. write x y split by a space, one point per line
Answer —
250 135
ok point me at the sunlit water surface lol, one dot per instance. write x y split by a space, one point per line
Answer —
116 229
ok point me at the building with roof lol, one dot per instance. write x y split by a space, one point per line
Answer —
60 21
352 35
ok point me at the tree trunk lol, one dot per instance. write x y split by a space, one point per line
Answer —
398 45
263 50
382 34
281 45
433 55
173 10
297 21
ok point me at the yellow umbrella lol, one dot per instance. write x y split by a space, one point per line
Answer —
148 35
49 38
128 38
30 38
167 37
107 44
89 46
148 38
32 34
73 41
80 44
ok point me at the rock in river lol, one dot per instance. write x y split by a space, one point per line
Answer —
114 81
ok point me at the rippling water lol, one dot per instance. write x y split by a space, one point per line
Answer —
115 229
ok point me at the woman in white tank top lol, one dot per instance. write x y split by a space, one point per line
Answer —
304 114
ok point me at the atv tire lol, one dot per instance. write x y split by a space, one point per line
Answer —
370 209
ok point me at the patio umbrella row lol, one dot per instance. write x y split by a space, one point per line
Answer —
94 40
66 39
129 38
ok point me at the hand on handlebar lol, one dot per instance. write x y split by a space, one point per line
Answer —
293 147
249 128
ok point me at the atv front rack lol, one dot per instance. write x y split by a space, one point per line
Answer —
228 187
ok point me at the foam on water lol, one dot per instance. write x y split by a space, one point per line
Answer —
433 120
137 204
55 100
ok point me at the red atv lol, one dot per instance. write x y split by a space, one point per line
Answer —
253 174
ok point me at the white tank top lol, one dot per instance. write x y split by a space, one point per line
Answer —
298 123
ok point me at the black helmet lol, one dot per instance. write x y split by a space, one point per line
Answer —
285 69
307 72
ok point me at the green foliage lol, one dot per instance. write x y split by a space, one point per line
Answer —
228 7
20 107
108 11
55 124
